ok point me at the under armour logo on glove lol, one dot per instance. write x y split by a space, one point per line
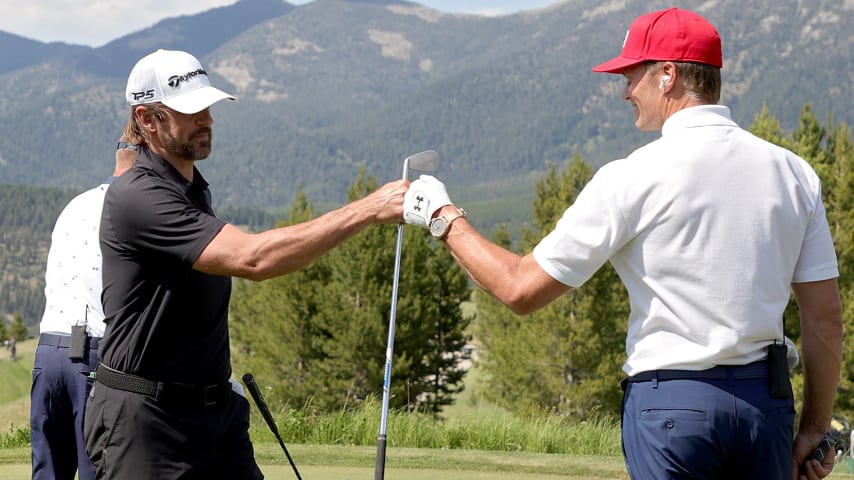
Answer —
415 208
424 197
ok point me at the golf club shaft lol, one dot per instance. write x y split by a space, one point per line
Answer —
426 161
381 440
379 472
249 380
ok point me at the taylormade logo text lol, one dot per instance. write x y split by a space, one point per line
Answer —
176 80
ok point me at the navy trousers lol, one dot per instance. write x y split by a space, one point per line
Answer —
58 403
707 429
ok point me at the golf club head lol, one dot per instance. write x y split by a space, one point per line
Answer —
426 161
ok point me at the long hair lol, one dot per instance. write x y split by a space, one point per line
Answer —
134 131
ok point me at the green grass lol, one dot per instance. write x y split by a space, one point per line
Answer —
476 441
16 376
485 428
330 462
15 380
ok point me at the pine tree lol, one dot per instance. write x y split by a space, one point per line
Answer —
18 330
566 356
830 151
271 325
320 334
838 192
767 127
4 334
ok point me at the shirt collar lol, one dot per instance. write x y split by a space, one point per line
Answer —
156 163
699 116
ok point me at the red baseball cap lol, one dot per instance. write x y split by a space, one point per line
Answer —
667 35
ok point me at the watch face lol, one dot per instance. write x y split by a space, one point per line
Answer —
437 227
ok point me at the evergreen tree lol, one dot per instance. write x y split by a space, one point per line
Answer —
18 330
840 204
566 356
271 324
767 127
830 151
320 334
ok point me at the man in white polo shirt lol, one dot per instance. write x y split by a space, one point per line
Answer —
711 229
70 330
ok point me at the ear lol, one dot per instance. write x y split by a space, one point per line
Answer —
145 117
668 71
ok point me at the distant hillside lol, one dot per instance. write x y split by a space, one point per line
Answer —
27 217
333 84
20 53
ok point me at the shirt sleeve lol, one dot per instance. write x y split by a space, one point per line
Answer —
156 217
585 237
817 260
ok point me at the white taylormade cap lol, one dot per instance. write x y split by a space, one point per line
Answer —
174 78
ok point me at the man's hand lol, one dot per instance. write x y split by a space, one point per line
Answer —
385 204
808 468
424 197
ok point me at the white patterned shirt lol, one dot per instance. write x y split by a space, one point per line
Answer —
73 274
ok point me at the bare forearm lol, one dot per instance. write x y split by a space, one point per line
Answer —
516 281
822 351
821 327
287 249
488 265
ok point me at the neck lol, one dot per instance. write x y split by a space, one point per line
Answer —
184 166
673 105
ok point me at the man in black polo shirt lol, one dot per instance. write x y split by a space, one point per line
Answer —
162 406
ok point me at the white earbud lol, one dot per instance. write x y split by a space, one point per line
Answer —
664 80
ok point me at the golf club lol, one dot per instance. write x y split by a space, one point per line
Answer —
424 162
249 380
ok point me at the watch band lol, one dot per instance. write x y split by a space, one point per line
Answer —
447 221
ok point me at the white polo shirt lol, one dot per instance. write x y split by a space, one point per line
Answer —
73 273
707 227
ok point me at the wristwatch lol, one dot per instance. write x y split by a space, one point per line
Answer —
440 225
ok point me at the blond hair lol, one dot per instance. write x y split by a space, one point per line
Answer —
134 131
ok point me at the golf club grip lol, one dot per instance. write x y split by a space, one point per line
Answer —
379 473
249 380
826 445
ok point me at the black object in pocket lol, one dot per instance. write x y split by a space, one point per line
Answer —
778 371
77 348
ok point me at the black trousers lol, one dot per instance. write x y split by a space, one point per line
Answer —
131 435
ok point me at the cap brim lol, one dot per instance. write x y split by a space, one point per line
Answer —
617 65
197 100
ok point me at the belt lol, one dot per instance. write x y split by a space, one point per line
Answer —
64 341
757 369
207 395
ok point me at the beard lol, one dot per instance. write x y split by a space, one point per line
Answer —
189 149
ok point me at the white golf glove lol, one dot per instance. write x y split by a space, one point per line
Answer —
424 197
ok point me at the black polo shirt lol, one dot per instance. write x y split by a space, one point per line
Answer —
165 321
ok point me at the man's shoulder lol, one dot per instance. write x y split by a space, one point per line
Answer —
86 200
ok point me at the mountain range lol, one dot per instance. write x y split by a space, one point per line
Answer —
333 85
